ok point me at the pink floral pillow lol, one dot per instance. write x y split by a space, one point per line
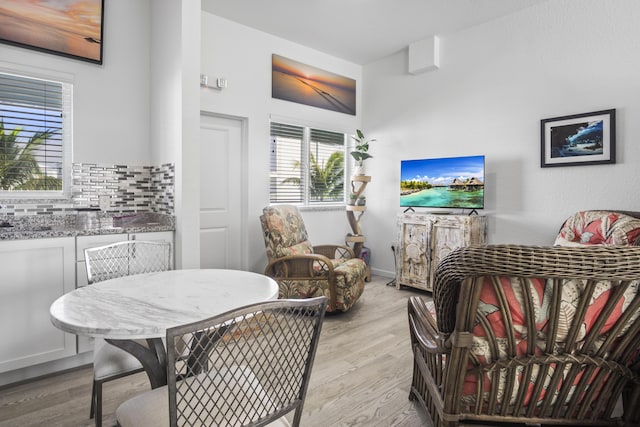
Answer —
494 323
600 228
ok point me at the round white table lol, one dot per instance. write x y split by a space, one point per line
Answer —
144 306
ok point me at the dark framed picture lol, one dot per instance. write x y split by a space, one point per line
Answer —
71 28
580 139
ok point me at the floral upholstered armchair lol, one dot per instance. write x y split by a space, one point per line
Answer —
530 334
600 227
305 271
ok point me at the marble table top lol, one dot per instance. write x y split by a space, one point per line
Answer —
145 305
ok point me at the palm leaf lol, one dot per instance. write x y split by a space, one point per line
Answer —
19 168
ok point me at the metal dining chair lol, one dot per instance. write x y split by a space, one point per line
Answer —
249 366
108 262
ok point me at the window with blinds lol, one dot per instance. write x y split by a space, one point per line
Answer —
34 146
307 165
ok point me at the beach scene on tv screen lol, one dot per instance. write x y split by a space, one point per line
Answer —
455 182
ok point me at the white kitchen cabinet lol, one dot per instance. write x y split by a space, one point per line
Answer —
34 274
424 239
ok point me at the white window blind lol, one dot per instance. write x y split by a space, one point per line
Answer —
326 162
33 156
307 165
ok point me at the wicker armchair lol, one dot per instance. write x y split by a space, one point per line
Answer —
526 334
306 271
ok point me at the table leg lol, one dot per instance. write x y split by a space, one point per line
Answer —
153 358
201 344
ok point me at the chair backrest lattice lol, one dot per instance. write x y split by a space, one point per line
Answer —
126 258
249 366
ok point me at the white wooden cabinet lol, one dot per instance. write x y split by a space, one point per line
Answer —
424 239
34 274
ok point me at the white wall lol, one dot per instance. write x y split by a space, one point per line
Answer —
111 101
175 106
495 84
243 56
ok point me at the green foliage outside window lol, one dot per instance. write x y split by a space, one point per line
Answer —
326 180
19 167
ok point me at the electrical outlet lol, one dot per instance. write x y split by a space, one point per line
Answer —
104 202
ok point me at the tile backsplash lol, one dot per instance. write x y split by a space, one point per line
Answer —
115 188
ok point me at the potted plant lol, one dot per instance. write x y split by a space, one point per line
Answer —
360 153
352 199
361 201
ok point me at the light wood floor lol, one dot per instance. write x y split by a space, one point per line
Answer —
360 377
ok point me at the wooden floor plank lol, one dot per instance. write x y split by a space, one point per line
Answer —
360 377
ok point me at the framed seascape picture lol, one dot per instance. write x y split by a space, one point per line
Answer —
297 82
580 139
71 28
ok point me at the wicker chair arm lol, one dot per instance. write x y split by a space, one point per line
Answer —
303 266
423 328
334 251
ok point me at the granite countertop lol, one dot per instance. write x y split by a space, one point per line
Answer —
41 227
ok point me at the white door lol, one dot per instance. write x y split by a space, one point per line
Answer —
221 187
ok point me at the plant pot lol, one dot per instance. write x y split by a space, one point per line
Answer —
359 170
361 202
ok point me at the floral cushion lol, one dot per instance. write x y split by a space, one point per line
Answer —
302 248
349 285
599 228
284 229
489 310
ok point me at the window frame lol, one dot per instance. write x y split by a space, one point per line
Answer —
306 203
67 83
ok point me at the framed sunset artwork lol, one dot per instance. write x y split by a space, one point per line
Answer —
297 82
71 28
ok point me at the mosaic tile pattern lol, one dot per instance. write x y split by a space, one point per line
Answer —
121 188
162 182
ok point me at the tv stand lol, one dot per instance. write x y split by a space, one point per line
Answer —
424 239
473 211
409 209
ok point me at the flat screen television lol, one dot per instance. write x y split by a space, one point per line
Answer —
451 182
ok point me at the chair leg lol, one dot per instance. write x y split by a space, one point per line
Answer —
98 411
93 399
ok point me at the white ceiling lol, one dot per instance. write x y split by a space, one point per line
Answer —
361 31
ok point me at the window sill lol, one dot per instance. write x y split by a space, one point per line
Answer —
319 208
